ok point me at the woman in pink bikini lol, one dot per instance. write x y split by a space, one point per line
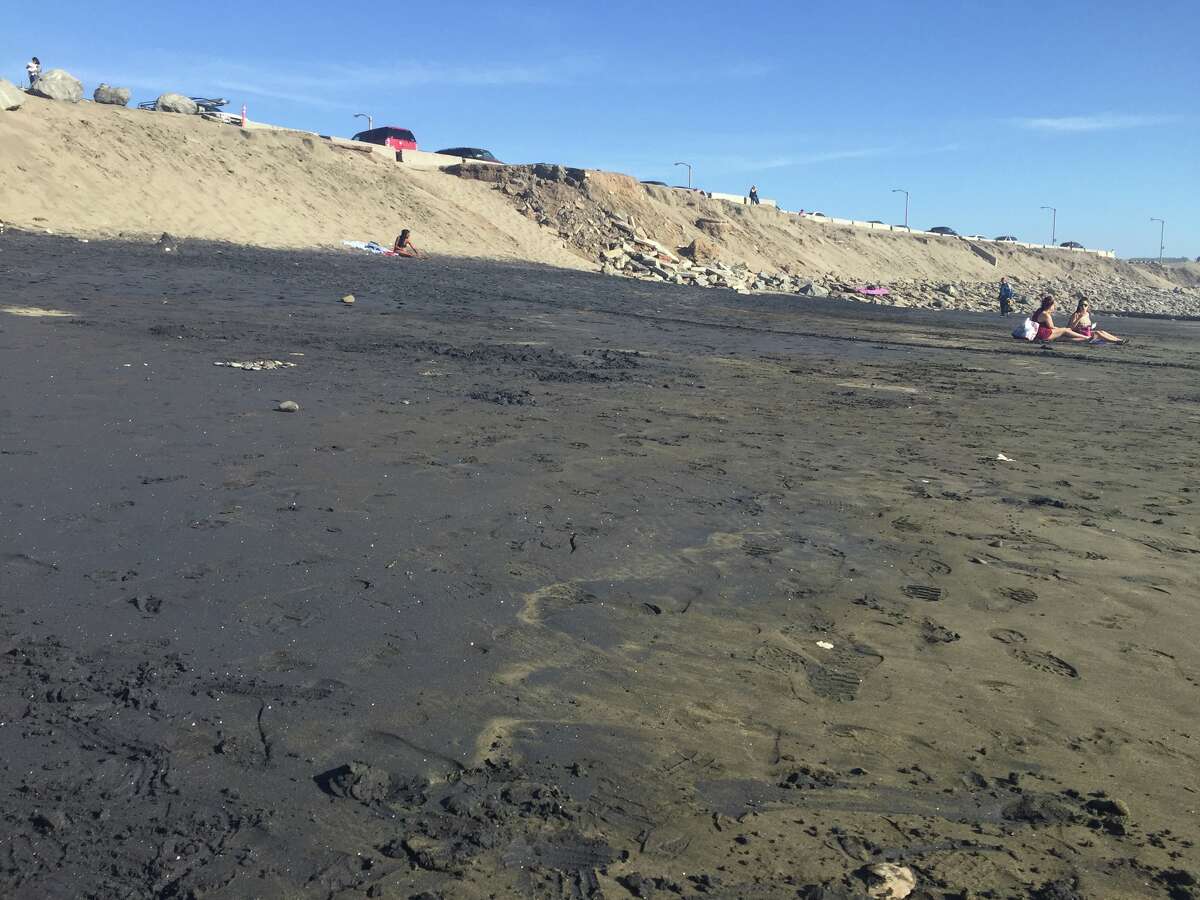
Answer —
1046 330
1081 322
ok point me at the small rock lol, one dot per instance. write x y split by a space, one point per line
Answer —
51 820
1108 807
176 103
11 97
812 289
112 96
288 406
888 881
348 299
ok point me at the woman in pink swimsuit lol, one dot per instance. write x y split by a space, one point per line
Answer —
1081 322
1045 323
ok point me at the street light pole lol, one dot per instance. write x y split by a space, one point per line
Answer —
689 168
370 121
1162 230
1053 224
905 193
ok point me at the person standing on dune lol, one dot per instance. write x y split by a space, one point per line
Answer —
754 195
33 69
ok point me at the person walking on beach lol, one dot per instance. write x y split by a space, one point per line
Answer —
1006 295
33 69
1046 329
1081 323
754 195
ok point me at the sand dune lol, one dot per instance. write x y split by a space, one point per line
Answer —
95 170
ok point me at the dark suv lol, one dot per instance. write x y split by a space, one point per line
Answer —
469 153
389 136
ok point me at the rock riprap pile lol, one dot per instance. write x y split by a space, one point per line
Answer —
589 219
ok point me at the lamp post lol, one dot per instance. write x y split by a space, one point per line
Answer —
1162 230
1053 223
905 193
689 168
370 121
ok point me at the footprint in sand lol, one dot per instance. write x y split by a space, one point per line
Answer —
837 675
1007 636
1019 595
924 592
1045 662
930 564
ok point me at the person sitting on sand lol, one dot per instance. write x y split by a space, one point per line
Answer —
405 247
1046 330
1081 322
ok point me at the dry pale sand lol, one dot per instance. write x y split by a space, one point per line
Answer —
95 170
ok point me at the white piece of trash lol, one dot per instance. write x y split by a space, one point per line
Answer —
825 645
1000 457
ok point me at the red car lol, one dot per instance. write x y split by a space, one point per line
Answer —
389 136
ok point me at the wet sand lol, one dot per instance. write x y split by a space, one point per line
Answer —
565 586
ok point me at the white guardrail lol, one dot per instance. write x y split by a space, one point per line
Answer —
876 226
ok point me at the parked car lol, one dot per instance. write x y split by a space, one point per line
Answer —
388 136
976 237
1071 245
470 153
1006 237
943 229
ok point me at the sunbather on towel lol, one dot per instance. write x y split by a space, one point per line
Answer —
1081 322
1046 328
405 247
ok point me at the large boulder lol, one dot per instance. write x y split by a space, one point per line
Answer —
58 84
176 103
701 250
11 96
113 96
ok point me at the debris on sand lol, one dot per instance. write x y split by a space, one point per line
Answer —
288 406
257 365
348 299
167 243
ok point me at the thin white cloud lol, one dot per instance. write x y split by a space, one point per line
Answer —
754 164
328 85
747 70
1097 122
795 160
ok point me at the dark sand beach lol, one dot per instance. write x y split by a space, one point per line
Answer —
559 585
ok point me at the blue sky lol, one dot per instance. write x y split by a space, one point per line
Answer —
983 111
